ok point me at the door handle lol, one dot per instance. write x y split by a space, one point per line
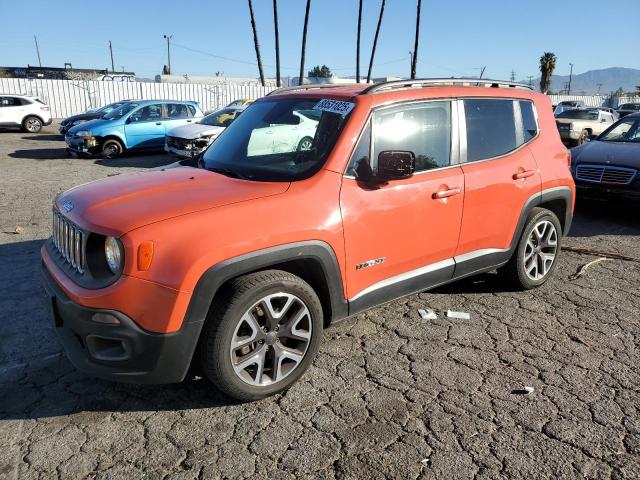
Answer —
524 174
189 121
446 193
158 123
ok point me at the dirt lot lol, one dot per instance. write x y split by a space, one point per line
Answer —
389 396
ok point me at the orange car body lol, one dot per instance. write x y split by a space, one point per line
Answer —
205 227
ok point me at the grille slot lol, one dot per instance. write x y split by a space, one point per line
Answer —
69 241
605 174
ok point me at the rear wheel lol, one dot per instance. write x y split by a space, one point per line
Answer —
32 124
537 253
305 144
264 330
584 135
112 148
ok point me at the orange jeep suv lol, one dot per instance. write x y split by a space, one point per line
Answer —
233 269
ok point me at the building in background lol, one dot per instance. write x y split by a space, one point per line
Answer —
66 73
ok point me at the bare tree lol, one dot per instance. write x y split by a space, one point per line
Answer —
304 43
255 42
358 41
375 41
414 62
275 27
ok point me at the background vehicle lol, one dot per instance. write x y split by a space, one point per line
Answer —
74 120
628 108
612 111
576 126
568 105
235 268
25 111
190 140
136 125
608 165
240 103
295 135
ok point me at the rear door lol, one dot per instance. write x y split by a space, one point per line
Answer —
145 127
401 236
178 114
500 176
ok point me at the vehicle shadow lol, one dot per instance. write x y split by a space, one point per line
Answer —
137 160
482 283
45 137
594 217
37 380
40 154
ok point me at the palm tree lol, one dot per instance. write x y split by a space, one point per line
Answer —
304 43
375 41
255 42
414 61
547 66
358 42
275 26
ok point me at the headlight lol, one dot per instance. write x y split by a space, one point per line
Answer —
113 254
571 126
83 133
78 122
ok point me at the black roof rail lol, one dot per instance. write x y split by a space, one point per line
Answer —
310 87
437 82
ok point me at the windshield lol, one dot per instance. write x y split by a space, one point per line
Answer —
630 106
625 130
110 107
120 111
221 118
580 114
275 140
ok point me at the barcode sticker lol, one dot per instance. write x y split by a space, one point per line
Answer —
335 106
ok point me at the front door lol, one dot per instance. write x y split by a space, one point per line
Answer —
145 127
401 237
500 175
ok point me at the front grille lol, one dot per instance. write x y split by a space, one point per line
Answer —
605 174
69 241
178 143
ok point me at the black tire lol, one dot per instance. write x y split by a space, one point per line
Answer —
112 148
583 137
32 124
304 144
229 307
514 272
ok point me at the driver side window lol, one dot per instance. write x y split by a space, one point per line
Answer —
424 129
150 113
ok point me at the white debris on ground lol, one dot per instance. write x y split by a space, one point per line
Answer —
427 314
458 315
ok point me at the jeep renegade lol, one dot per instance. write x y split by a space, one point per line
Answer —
233 269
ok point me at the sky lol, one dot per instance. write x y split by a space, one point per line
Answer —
457 37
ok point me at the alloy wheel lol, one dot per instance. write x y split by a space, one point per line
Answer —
33 125
541 250
271 339
305 145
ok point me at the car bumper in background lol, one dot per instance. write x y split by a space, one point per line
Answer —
603 191
120 351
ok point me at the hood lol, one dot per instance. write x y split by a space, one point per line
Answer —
97 122
119 204
195 130
621 154
82 116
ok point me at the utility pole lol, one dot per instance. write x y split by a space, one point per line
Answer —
414 61
531 80
358 42
113 68
482 69
570 75
513 76
275 29
168 37
37 50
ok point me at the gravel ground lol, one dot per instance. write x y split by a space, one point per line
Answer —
389 396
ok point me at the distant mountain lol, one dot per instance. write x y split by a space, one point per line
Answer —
610 78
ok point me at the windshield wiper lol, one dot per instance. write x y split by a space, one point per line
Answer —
229 173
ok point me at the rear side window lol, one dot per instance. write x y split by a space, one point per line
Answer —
424 129
529 124
177 110
491 128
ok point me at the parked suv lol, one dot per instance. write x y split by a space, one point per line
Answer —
136 125
232 270
24 111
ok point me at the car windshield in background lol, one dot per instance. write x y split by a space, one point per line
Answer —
221 118
580 114
629 106
109 108
120 111
626 130
276 140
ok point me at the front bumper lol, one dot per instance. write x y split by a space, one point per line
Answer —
603 191
78 146
569 134
123 352
48 122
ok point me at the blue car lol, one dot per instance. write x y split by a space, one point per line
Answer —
137 125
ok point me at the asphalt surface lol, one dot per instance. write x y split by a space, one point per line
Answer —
389 396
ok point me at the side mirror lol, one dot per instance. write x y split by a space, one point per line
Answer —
395 165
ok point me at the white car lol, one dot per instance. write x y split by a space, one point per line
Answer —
24 111
286 137
189 141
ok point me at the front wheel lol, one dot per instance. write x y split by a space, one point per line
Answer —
32 124
305 144
263 332
112 148
537 253
584 135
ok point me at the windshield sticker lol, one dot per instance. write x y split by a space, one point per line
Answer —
335 106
